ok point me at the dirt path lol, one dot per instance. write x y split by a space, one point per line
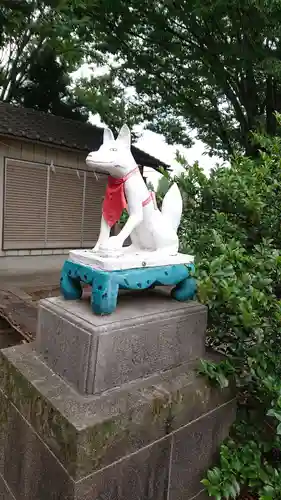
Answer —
19 302
19 313
19 299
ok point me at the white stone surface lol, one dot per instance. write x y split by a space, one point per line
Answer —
149 228
129 260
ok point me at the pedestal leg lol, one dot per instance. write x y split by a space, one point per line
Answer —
70 287
185 290
104 293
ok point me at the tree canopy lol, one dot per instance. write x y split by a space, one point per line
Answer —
213 66
47 88
38 50
174 65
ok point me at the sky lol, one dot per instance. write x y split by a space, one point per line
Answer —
155 144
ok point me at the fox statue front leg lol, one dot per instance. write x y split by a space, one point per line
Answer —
116 242
109 243
104 234
135 209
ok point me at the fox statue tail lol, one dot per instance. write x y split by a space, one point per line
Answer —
172 206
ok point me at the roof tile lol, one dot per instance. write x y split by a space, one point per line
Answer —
44 127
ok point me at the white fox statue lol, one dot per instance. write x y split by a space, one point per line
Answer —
148 228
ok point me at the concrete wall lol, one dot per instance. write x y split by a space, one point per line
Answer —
33 260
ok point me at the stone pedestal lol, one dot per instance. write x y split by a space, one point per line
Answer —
142 337
110 408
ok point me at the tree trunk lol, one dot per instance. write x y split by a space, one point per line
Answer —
271 124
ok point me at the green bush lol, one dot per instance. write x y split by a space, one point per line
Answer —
232 224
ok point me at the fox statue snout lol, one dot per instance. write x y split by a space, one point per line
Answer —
148 228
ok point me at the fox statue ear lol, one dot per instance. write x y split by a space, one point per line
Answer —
107 135
124 136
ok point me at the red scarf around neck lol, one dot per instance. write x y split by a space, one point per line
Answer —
115 201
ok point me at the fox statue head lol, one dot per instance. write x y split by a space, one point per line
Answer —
114 157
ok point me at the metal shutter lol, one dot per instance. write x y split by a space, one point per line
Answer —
24 205
94 193
65 208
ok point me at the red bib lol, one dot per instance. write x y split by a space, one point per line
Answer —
115 201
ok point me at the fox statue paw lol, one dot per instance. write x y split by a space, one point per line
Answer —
96 247
112 246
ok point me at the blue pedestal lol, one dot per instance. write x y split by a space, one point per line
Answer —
106 284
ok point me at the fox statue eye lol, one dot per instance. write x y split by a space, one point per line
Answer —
113 149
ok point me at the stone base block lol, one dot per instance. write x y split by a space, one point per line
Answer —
142 337
149 440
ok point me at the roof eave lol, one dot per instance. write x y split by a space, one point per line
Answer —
147 162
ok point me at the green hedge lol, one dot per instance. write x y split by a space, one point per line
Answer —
232 224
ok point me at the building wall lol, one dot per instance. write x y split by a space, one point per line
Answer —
35 152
